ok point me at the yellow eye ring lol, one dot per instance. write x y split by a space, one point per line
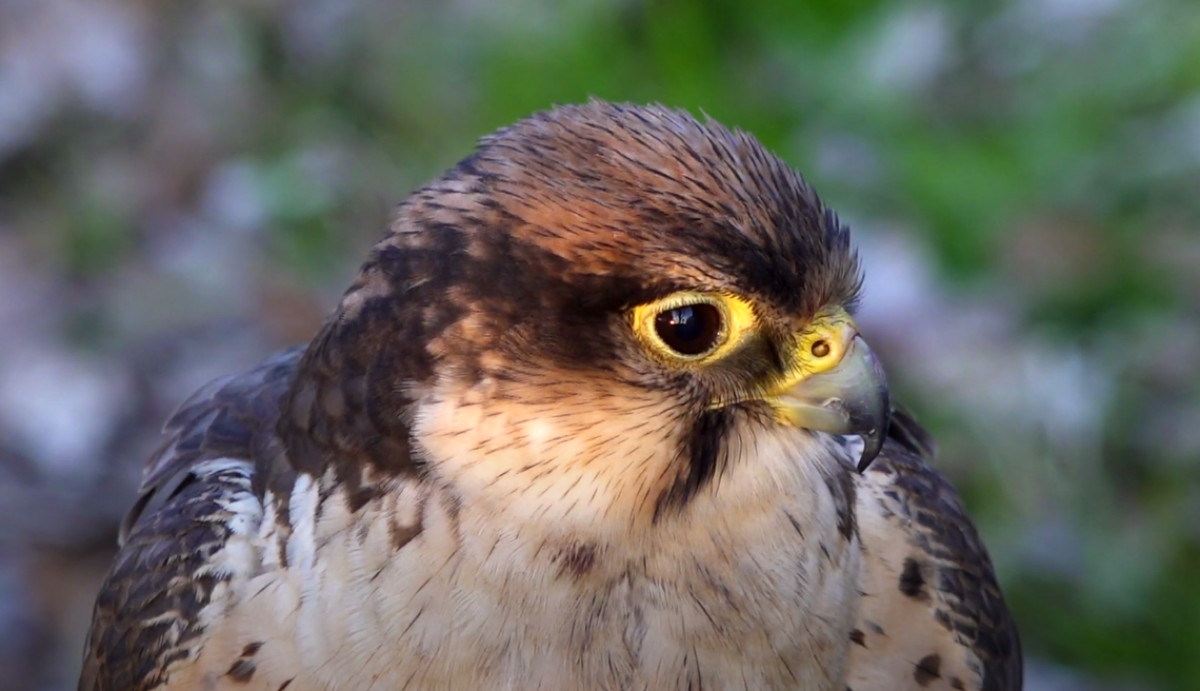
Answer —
693 327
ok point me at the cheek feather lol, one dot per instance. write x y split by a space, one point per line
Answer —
585 457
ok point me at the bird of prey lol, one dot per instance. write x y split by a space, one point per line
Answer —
594 415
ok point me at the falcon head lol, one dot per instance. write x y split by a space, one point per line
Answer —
606 314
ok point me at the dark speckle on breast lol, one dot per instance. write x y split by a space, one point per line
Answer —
912 583
943 617
928 669
242 670
841 489
400 535
252 648
576 560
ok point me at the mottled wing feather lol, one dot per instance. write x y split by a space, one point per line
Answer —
231 417
146 615
932 615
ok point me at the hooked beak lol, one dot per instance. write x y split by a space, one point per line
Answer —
849 398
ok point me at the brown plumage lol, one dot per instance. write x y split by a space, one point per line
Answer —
490 470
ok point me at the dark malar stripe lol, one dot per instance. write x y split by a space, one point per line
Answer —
705 457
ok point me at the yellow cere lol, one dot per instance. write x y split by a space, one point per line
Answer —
737 322
818 348
823 342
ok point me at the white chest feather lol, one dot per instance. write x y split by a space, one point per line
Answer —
754 589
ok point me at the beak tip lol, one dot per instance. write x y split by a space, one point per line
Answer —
870 451
872 445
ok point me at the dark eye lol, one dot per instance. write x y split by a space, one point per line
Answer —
689 330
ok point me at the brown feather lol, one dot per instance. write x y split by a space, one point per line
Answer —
146 615
932 615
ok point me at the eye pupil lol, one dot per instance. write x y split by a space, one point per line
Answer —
820 348
689 329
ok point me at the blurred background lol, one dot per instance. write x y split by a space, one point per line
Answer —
186 186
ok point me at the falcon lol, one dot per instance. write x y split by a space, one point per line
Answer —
594 415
